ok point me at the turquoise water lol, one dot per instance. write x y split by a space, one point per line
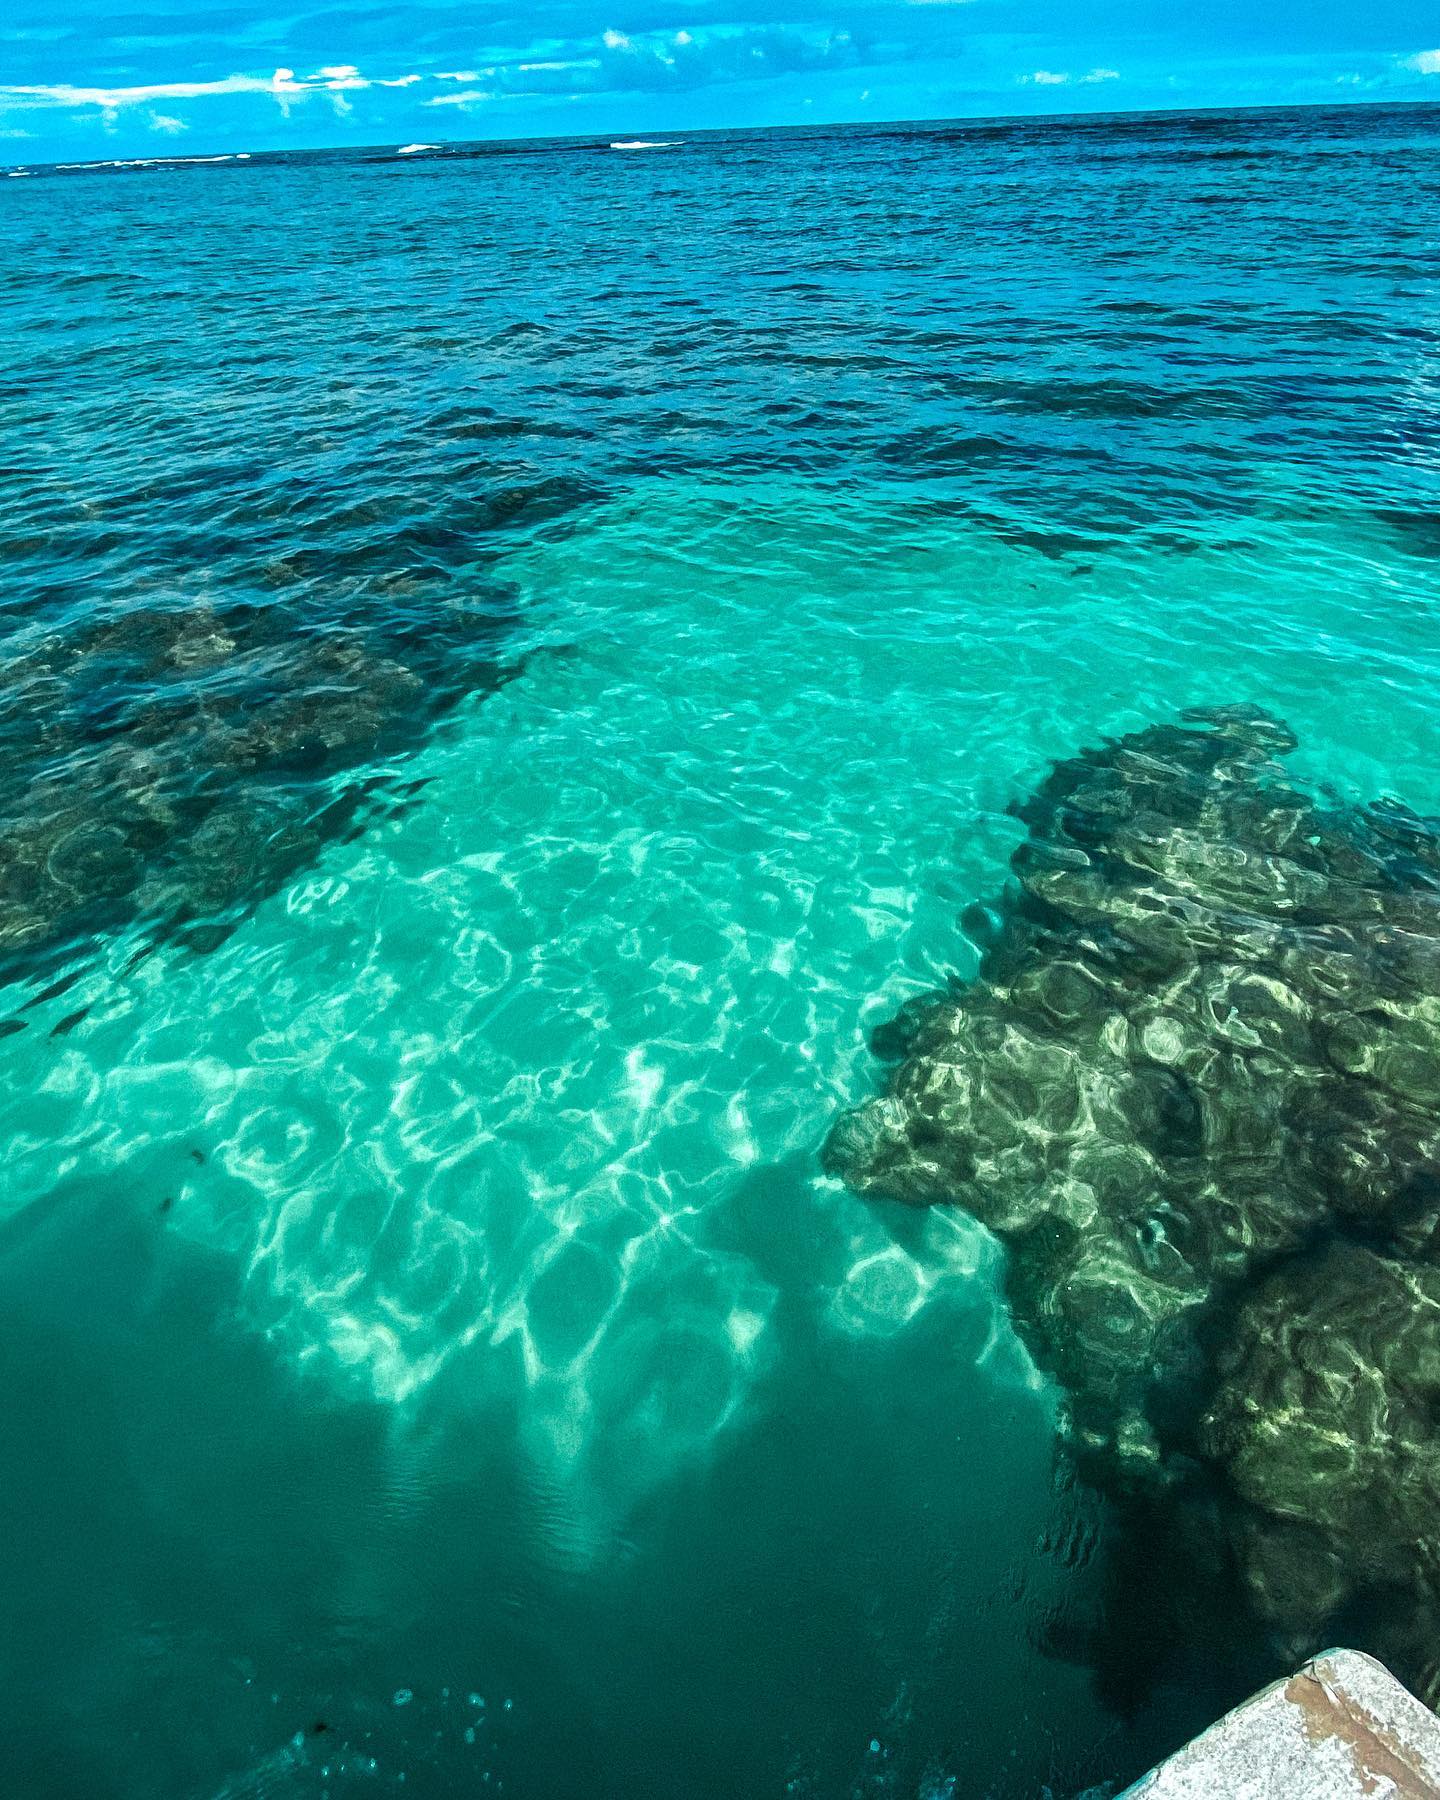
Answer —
425 1315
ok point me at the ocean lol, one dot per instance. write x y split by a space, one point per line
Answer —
516 659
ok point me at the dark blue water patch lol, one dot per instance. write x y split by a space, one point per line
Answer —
1416 531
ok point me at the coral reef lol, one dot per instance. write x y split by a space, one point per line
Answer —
173 765
1194 1090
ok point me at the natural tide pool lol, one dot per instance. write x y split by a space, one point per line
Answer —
434 1359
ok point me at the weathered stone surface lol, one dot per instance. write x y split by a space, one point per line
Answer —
1340 1728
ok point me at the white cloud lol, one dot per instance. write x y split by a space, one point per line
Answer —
1423 62
465 98
284 86
652 62
655 63
1063 77
64 94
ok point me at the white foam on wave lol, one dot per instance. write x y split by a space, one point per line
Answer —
647 144
415 149
156 162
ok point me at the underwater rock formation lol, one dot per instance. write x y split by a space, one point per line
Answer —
1325 1421
1194 1090
173 766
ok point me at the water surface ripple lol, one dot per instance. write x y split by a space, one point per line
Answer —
515 660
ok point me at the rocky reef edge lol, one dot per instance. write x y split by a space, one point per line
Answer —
1194 1089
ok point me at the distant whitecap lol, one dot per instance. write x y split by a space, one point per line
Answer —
415 149
647 144
154 162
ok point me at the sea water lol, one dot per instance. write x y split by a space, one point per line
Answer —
433 1359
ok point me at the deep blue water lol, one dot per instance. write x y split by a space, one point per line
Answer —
514 660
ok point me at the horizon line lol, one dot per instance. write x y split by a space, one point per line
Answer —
688 133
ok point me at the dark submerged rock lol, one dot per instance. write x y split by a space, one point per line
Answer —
1325 1419
1195 1089
174 765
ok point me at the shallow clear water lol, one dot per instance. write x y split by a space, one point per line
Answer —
424 1313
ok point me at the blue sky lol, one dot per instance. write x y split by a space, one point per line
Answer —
103 78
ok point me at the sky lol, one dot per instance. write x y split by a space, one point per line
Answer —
96 79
